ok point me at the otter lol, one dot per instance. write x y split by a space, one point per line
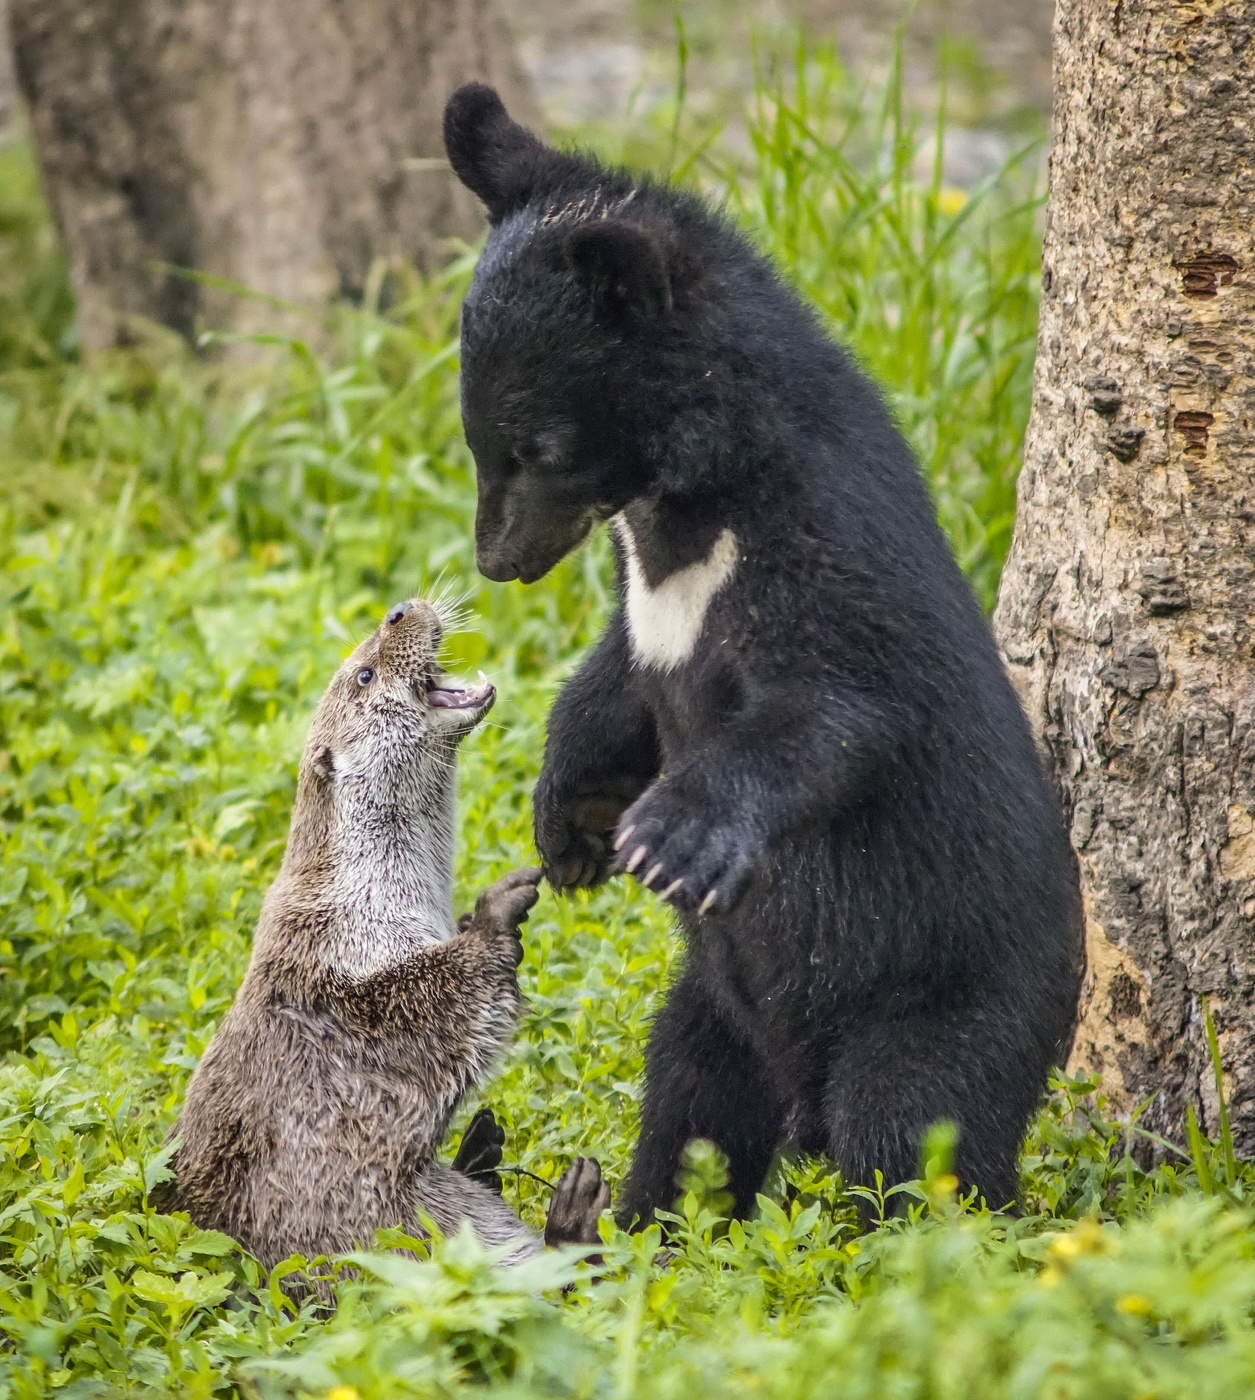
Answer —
367 1013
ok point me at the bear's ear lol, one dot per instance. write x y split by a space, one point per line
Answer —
492 155
624 263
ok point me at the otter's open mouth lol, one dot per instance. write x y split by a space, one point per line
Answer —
458 693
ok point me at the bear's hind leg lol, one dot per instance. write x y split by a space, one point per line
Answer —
702 1080
892 1079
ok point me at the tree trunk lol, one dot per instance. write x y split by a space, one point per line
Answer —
8 81
284 145
1127 609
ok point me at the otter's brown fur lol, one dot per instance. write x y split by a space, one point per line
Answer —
367 1014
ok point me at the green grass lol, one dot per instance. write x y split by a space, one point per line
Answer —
189 548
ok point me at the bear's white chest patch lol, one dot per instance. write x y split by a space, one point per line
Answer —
665 622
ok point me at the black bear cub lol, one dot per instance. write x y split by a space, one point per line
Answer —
796 727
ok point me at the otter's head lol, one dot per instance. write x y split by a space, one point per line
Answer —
391 713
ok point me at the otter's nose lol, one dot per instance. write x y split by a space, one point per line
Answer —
397 612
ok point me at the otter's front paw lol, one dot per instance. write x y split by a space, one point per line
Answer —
577 1204
575 838
688 857
503 907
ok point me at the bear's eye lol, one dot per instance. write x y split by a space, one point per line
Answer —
365 676
553 446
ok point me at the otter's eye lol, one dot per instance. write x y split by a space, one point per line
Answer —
365 676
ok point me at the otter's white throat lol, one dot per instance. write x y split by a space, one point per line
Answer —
392 844
664 623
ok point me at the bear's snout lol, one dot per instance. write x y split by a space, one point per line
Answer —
497 568
527 554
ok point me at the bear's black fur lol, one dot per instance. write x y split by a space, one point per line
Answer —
826 771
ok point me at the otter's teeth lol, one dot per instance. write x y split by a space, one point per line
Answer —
455 693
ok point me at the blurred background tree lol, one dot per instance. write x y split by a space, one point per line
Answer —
290 146
598 60
285 146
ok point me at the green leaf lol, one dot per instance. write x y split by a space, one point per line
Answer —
12 884
189 1290
157 1168
1200 1151
212 1243
233 817
73 1186
156 1288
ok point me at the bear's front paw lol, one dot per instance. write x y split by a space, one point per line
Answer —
575 840
503 907
584 862
691 860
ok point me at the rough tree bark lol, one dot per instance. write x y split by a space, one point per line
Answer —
8 80
1127 610
280 144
